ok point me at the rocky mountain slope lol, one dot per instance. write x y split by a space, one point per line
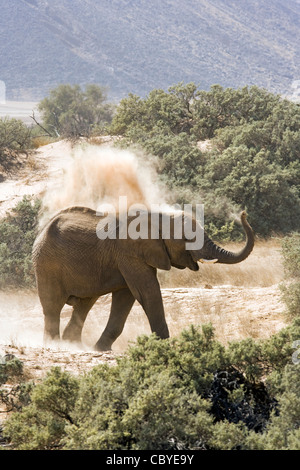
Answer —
133 46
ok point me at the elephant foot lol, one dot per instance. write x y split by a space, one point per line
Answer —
71 336
102 345
49 340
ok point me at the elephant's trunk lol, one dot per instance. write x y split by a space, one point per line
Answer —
219 255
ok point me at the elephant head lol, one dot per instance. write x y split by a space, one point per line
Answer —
167 250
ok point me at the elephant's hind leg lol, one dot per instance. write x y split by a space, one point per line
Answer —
52 301
122 302
51 322
81 307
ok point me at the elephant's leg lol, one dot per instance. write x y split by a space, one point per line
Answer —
81 308
144 286
51 312
122 301
51 324
153 306
52 300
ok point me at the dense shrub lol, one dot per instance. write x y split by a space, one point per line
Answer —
183 393
291 288
253 162
17 233
283 430
14 391
10 367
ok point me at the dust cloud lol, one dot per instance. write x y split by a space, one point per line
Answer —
96 175
21 319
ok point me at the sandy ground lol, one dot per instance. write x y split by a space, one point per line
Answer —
240 301
40 174
235 313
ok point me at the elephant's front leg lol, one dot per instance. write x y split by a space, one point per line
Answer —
142 281
152 303
122 301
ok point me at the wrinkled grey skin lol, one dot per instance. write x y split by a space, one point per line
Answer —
73 266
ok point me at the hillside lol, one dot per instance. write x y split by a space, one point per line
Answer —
134 46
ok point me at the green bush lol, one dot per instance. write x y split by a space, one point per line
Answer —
9 367
182 393
14 391
254 160
41 424
15 137
17 234
14 134
291 289
283 430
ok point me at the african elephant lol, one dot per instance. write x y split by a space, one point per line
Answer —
74 266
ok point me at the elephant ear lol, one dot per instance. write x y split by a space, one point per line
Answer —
155 254
154 249
149 246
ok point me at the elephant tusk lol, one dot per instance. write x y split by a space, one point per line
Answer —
208 261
